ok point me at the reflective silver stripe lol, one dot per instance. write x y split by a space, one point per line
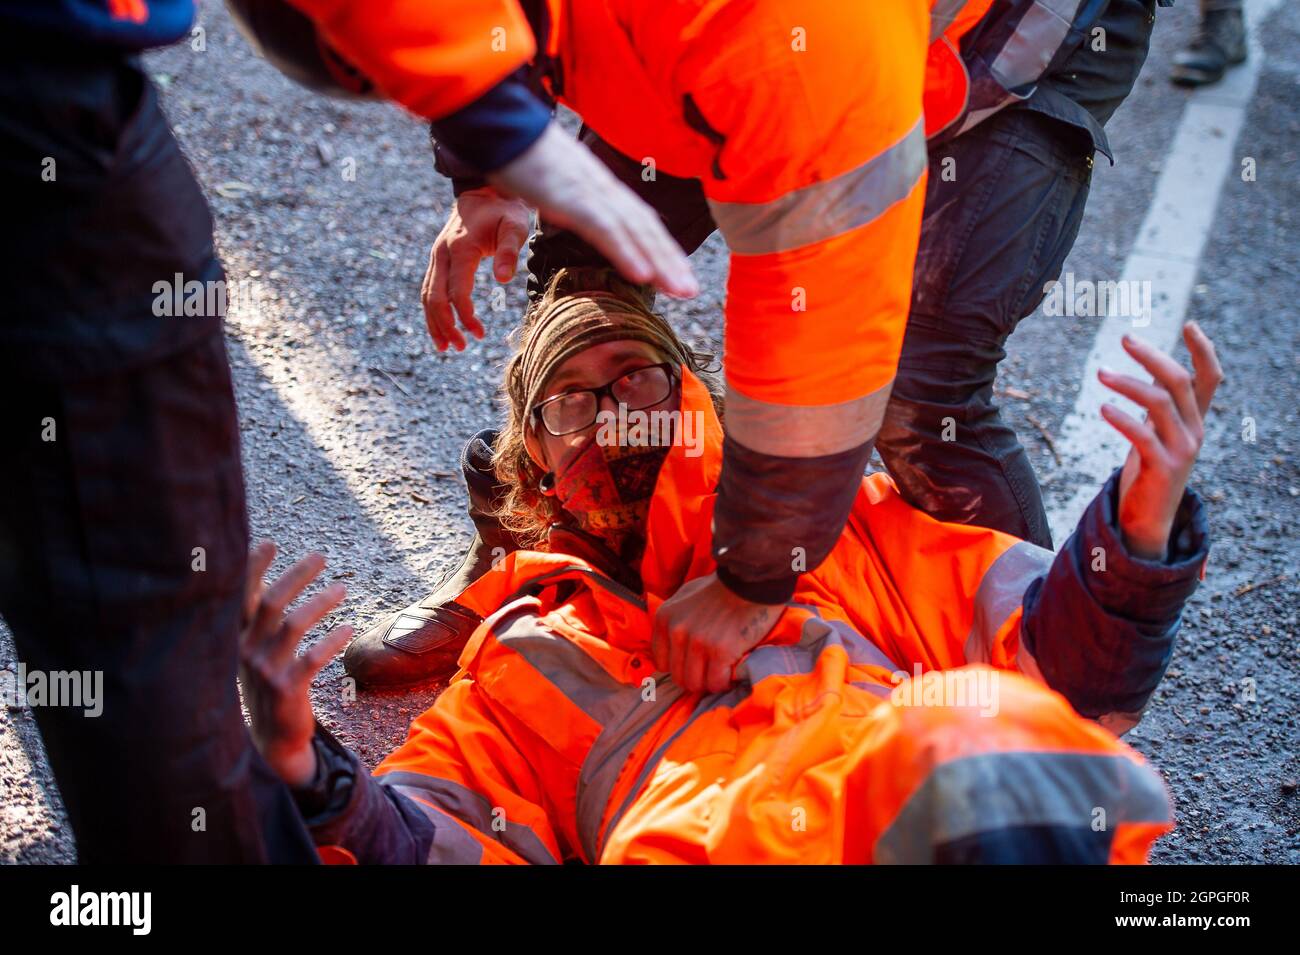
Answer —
472 808
1004 790
607 756
805 431
815 637
825 209
583 681
818 634
977 116
942 14
1001 592
451 845
1037 37
621 710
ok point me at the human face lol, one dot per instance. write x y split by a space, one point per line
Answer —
590 368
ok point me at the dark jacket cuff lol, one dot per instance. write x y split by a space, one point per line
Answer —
778 517
346 806
1133 586
1101 624
331 790
776 591
496 128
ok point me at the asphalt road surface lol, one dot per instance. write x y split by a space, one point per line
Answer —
352 424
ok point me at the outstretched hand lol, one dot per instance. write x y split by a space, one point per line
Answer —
1166 443
275 678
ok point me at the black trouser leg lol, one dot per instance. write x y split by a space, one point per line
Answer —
123 537
123 545
992 238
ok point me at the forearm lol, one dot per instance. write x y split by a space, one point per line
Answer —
777 517
1101 624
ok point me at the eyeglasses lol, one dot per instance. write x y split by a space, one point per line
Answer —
576 410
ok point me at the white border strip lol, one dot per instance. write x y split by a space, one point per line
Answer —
1167 253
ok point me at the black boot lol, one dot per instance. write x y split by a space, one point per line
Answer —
424 641
1220 42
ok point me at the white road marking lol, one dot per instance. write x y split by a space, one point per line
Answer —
1167 253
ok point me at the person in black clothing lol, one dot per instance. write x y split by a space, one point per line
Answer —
123 534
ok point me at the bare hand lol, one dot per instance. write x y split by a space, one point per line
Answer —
482 222
275 679
704 630
573 189
1166 444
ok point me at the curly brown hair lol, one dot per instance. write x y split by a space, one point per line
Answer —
524 510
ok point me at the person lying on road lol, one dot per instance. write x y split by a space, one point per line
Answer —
932 693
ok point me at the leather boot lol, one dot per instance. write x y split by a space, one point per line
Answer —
424 641
1220 42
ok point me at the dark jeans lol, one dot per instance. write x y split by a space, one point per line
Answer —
992 237
123 536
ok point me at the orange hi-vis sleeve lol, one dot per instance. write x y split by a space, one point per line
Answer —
805 122
432 58
822 163
472 771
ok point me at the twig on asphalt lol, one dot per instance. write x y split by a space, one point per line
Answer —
1247 588
1018 393
1047 437
396 384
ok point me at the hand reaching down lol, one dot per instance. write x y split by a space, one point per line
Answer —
570 188
704 630
482 223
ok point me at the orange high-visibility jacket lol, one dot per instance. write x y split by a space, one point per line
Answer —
895 713
806 122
